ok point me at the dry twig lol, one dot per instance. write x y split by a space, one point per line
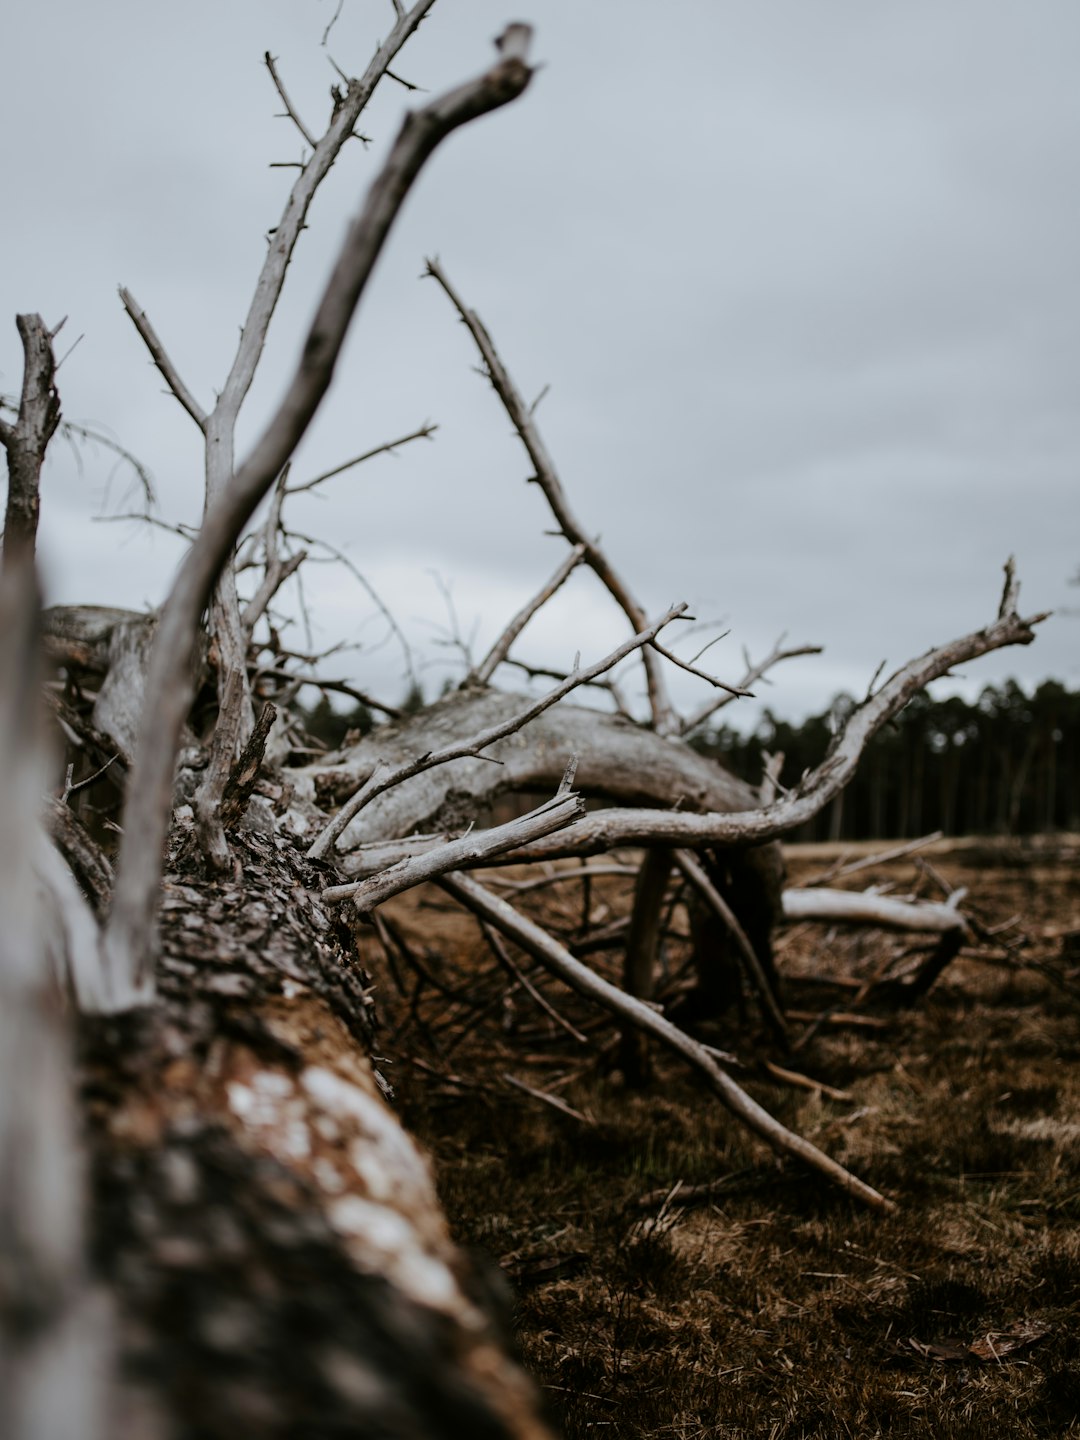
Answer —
560 962
129 936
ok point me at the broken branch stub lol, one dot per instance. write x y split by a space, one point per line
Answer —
555 958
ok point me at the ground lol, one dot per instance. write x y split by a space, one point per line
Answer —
773 1307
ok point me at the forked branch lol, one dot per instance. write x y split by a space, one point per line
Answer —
753 673
129 935
383 778
546 476
555 958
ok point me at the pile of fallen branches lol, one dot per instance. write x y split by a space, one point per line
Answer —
178 734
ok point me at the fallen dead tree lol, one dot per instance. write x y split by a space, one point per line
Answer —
199 899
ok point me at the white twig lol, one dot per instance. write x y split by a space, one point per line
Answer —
384 778
896 852
425 432
279 86
547 478
499 651
555 958
606 829
477 846
733 692
160 357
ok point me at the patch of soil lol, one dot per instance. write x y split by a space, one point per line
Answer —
772 1307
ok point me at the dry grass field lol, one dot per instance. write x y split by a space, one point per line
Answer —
769 1306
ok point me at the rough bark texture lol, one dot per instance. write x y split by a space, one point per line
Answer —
271 1237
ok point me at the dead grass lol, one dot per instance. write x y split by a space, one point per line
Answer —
778 1310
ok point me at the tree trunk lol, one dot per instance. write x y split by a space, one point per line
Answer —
271 1237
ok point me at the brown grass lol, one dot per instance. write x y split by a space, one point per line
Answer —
778 1309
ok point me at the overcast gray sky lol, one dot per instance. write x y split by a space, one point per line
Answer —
802 276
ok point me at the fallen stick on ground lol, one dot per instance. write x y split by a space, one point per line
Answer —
560 962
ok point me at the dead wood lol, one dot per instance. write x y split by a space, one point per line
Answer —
619 761
128 940
27 437
538 943
851 907
53 1329
250 1176
474 746
546 476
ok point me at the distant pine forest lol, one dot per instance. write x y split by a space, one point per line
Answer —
1008 764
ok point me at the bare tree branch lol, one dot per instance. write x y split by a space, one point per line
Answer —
695 872
219 426
384 778
606 829
160 357
337 687
854 908
547 478
425 432
27 439
867 862
560 962
499 651
470 849
752 675
51 1333
373 595
276 568
279 86
733 692
129 936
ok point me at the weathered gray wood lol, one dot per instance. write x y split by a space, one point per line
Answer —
271 1237
618 761
51 1327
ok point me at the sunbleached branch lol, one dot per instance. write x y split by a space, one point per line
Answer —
384 778
499 651
288 229
425 432
555 958
279 86
732 692
129 936
470 849
852 907
547 478
160 357
27 438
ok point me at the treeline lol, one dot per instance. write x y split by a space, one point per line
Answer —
1009 764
